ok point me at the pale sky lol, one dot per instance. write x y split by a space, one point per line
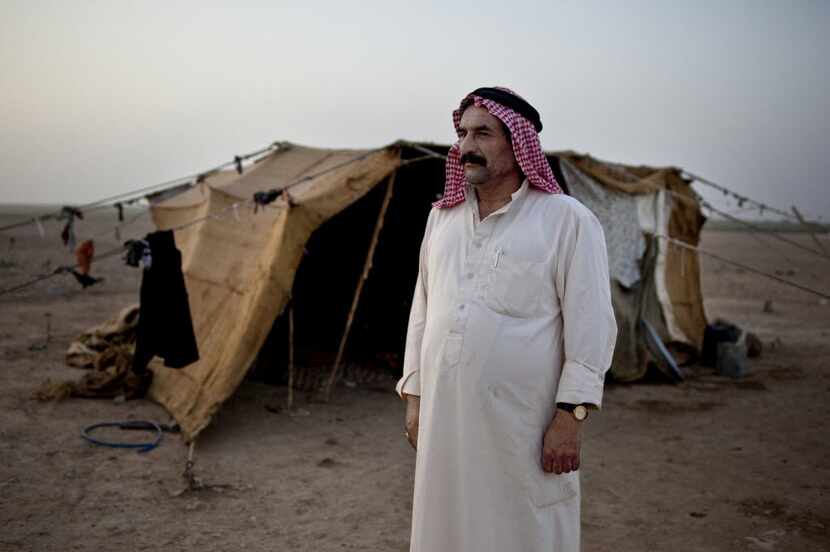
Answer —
97 98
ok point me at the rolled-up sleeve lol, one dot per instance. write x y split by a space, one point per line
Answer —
589 326
410 383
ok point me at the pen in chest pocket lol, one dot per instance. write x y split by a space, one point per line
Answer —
497 257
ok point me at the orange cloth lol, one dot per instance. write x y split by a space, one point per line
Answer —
84 254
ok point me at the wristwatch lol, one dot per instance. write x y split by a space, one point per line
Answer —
579 411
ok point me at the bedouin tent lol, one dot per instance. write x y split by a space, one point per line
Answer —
310 246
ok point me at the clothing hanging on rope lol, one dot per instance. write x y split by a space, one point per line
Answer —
214 215
141 193
165 326
83 256
85 279
135 253
261 199
68 232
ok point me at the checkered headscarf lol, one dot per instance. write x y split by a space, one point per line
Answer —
526 148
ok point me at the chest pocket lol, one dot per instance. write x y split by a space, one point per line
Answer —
517 287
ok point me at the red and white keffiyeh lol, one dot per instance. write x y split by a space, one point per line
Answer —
526 148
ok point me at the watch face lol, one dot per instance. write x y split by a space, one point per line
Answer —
580 412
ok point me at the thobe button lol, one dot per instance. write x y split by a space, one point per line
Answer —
470 275
478 245
460 307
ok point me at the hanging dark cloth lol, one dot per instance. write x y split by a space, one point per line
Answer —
165 327
85 279
68 232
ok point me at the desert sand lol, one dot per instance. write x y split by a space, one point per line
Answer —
714 464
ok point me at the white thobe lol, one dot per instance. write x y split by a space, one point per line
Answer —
511 315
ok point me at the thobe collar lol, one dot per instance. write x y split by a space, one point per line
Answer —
515 197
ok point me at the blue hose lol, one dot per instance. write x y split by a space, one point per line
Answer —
132 424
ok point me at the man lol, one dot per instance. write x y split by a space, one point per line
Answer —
510 334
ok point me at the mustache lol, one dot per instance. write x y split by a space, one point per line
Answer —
473 158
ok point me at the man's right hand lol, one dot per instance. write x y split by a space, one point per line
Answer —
413 411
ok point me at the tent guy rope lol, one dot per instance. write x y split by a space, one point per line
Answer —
744 199
690 175
65 269
772 233
756 230
748 268
218 215
139 193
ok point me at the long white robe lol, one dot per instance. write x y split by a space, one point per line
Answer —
510 315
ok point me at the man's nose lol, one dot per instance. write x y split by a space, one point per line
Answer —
466 144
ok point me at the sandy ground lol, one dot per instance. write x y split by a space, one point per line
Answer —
713 464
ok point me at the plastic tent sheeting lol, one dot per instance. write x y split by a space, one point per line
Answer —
658 283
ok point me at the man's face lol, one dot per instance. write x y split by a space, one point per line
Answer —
486 153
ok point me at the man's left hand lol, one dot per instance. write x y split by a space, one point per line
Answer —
561 444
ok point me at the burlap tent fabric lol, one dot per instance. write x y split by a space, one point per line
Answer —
239 271
239 266
120 331
106 352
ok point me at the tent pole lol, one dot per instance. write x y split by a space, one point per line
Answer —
290 404
367 267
